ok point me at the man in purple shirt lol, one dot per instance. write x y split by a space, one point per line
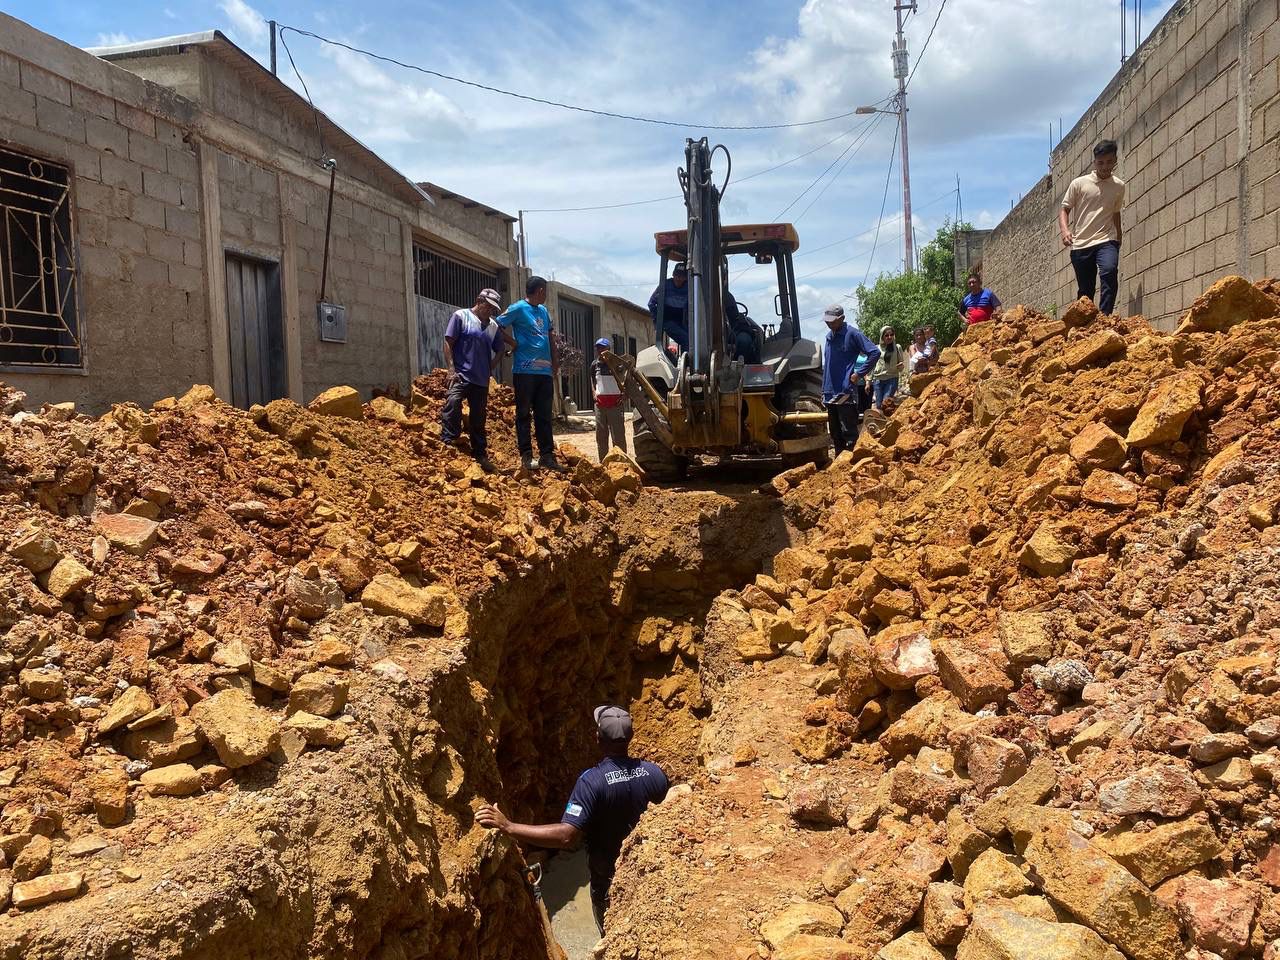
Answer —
473 341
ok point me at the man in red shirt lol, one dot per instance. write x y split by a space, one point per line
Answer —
610 415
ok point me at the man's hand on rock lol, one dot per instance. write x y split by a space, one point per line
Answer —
492 818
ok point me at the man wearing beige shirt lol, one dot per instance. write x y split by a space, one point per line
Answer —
1089 222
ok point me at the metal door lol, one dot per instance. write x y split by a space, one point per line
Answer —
576 326
256 331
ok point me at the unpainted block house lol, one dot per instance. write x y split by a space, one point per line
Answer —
163 211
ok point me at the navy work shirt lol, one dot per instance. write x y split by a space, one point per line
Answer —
849 351
676 300
606 804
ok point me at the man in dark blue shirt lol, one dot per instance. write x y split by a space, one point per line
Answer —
674 294
605 806
848 358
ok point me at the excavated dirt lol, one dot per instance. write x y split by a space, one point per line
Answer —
1016 695
261 667
1009 688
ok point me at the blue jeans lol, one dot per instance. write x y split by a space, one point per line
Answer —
1092 263
883 389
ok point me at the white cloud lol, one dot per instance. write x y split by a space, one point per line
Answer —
247 24
115 39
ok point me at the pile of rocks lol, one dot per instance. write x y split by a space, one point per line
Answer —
1044 604
194 595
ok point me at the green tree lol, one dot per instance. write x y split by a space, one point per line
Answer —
926 297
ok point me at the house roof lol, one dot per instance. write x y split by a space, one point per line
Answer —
627 303
436 190
218 44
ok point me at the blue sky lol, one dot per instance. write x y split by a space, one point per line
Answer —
995 75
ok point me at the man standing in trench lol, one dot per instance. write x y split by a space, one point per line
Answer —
605 806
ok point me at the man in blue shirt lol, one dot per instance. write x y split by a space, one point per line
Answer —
526 327
473 341
604 807
849 357
674 293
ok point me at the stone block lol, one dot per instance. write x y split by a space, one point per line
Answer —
1166 410
178 780
241 732
47 889
1102 894
390 595
815 919
1000 932
1163 851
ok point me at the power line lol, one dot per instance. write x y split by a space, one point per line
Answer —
677 196
857 142
556 103
942 6
834 178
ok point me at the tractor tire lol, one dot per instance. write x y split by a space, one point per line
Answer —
802 392
655 457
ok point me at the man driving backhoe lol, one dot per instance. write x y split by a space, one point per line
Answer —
673 295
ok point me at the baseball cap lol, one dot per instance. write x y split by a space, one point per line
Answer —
604 342
490 296
682 268
613 722
833 312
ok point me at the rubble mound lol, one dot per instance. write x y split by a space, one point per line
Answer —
228 642
1014 693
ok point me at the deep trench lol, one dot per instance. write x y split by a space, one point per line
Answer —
373 851
618 620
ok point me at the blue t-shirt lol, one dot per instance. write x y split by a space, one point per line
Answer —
606 805
983 298
848 351
474 345
531 326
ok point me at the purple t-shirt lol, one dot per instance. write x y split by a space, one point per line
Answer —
474 345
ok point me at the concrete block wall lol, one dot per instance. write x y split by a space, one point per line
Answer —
1195 114
135 187
367 276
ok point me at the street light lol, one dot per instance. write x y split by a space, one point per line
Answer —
863 111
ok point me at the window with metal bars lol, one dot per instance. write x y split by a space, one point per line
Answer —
39 319
450 281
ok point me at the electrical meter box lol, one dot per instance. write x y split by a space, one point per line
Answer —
333 322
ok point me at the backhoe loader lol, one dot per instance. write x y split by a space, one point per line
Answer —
738 391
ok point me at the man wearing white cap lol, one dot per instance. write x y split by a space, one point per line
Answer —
473 340
605 806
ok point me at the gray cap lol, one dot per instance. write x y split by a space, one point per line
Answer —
490 296
833 312
613 723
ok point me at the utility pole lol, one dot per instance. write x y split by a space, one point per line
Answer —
272 24
901 70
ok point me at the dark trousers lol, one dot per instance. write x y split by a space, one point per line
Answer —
534 393
843 421
477 397
1092 263
600 899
